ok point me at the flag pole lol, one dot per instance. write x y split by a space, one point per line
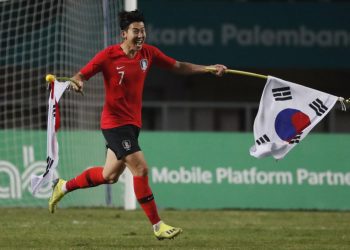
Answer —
246 73
238 72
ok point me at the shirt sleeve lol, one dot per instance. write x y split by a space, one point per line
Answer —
162 60
94 66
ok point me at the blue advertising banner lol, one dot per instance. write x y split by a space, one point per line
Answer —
251 34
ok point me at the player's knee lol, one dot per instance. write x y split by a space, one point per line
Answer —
111 178
114 180
142 170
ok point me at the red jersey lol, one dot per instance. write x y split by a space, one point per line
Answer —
124 80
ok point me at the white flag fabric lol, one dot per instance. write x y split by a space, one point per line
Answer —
287 113
53 122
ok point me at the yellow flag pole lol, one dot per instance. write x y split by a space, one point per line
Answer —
246 73
238 72
51 78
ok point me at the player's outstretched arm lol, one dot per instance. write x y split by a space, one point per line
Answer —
186 68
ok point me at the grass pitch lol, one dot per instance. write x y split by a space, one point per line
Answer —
109 228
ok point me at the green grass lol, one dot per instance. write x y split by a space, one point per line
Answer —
107 228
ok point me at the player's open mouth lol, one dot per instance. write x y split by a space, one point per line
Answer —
139 42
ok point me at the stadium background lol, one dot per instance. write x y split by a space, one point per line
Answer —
196 127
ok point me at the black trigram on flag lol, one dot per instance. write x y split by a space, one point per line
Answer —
49 161
54 110
282 94
318 107
262 139
296 139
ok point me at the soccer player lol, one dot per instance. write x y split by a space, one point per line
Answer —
124 67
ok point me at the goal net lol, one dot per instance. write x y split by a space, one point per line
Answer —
57 37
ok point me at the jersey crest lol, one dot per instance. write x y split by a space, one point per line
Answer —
144 64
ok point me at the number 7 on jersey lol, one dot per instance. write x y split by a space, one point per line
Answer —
121 73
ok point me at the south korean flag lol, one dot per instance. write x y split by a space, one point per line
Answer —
53 123
287 113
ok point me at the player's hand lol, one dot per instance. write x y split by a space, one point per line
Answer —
76 85
219 69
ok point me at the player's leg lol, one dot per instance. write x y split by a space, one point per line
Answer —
120 141
113 167
123 141
90 177
137 164
95 176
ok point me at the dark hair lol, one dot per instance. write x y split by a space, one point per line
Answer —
128 17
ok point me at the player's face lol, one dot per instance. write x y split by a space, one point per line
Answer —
135 36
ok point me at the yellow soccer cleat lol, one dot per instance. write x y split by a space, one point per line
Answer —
56 195
167 232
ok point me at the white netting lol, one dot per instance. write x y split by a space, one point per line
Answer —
58 37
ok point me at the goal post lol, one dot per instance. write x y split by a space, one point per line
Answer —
130 5
57 37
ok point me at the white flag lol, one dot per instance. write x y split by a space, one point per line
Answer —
53 123
287 113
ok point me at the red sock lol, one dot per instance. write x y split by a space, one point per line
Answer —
91 177
145 197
